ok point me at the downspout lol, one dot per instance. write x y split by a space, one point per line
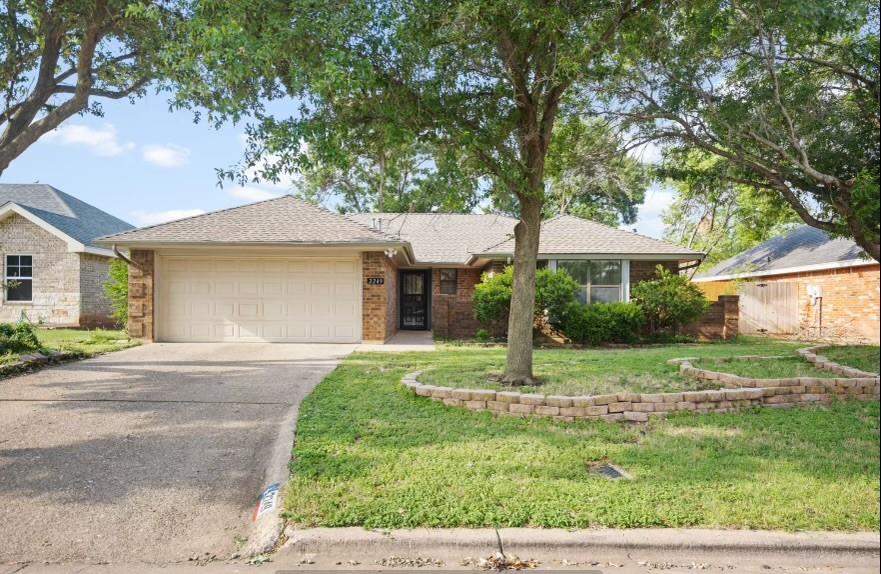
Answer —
122 256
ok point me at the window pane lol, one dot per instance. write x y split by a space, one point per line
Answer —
541 264
12 271
448 275
19 292
579 270
24 260
11 260
605 272
605 294
448 281
25 272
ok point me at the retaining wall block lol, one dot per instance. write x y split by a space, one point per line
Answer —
635 416
522 409
558 401
508 397
529 399
619 407
545 410
583 401
605 399
461 394
483 395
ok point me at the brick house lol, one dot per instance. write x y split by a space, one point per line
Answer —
287 270
52 269
803 283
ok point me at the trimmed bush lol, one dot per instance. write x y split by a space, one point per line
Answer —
602 323
18 338
669 302
554 292
116 288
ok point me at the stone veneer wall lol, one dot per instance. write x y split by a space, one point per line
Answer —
141 295
638 407
95 310
379 306
56 283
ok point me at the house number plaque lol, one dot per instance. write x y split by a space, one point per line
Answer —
376 280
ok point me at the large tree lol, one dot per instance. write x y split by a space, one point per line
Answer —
58 57
711 214
484 79
786 92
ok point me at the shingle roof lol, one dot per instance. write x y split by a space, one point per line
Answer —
76 218
802 246
282 220
443 237
566 234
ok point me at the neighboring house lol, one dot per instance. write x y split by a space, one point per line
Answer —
286 270
802 283
53 272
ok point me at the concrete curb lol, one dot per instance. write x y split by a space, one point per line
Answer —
266 529
527 541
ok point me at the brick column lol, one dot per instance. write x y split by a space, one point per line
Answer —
140 295
731 315
379 303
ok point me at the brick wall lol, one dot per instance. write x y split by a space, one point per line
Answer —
95 308
721 321
56 283
140 295
379 308
453 315
850 306
644 270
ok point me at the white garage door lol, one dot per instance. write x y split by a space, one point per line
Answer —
259 299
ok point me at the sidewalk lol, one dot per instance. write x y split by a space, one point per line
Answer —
607 551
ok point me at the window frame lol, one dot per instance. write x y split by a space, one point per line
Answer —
441 281
7 278
587 288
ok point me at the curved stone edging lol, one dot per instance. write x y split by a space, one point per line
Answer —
821 362
638 407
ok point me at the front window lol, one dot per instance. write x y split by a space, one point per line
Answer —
19 277
448 279
600 279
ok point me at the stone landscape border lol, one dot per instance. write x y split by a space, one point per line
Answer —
740 392
32 360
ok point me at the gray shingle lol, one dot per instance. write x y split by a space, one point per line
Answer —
802 246
444 237
282 220
76 218
569 234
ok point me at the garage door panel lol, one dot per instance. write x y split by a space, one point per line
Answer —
259 299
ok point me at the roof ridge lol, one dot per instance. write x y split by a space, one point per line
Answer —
352 220
607 226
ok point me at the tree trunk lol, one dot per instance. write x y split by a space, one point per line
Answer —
518 367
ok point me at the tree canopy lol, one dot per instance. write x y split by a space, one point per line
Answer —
786 93
59 59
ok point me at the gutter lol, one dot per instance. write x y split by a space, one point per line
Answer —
788 270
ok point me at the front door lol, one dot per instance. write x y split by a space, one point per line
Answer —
414 299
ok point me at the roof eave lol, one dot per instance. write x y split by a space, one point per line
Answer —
685 256
788 270
73 245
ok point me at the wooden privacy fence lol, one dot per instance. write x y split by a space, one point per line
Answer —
769 308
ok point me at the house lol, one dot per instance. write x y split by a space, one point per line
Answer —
53 271
287 270
803 283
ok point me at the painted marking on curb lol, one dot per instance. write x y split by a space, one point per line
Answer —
267 501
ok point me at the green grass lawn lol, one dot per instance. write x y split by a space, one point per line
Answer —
789 367
86 342
864 357
368 453
593 371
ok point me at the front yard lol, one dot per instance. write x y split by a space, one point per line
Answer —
82 342
371 454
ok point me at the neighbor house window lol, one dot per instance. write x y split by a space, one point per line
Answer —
448 281
600 280
19 277
541 264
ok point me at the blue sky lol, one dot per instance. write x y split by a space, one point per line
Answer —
145 164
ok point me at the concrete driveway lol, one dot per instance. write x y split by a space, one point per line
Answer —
155 453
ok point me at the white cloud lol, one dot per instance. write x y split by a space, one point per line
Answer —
249 193
102 141
142 218
169 156
649 220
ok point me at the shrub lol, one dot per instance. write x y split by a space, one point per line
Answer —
670 301
554 292
602 323
483 336
18 338
116 289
